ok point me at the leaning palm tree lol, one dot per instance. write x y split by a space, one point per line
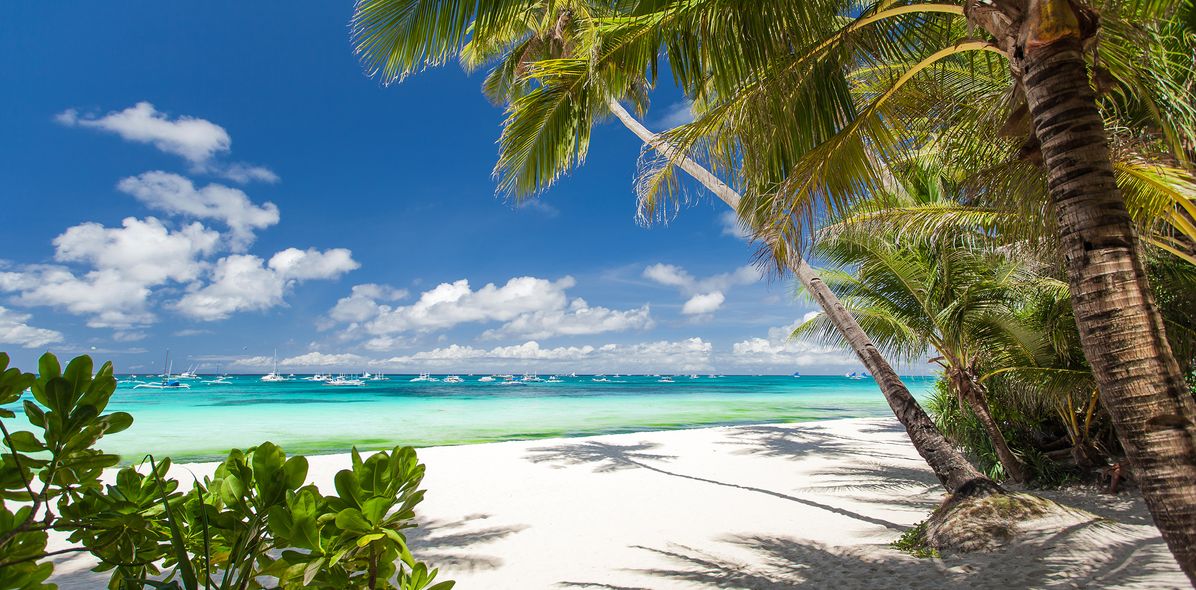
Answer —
803 143
554 98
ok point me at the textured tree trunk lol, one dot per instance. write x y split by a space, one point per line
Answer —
952 469
1121 329
972 394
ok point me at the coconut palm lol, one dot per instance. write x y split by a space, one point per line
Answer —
805 145
554 98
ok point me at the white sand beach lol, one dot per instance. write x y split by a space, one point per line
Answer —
780 506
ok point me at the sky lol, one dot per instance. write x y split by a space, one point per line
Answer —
222 181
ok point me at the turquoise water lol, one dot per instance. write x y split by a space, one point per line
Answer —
204 421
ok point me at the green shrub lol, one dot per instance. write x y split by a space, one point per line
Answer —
913 541
252 518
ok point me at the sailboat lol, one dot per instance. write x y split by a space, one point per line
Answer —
273 376
854 375
796 375
167 382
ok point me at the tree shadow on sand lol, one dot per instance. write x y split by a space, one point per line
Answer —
811 441
453 544
781 563
608 458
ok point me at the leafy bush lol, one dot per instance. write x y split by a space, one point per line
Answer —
252 521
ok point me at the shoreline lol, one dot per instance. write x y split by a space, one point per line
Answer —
760 506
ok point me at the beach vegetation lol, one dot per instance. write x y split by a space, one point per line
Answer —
913 541
254 517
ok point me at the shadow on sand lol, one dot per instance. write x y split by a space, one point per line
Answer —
453 544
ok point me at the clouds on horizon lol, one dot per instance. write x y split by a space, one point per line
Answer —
705 296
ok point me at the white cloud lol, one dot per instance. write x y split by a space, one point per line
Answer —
14 330
729 220
176 195
125 262
678 113
703 303
196 140
779 352
705 296
322 360
578 319
687 355
244 282
527 306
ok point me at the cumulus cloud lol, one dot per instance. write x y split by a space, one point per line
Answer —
196 140
15 330
729 220
125 262
779 352
243 282
706 295
176 195
678 113
527 306
692 354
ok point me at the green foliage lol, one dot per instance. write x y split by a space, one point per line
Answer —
253 517
913 541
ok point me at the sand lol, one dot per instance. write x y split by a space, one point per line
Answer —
780 506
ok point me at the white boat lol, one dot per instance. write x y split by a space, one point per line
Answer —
273 376
378 377
342 381
796 375
424 377
600 380
221 380
554 379
693 376
189 373
531 378
453 379
317 377
168 382
854 375
487 379
665 379
509 380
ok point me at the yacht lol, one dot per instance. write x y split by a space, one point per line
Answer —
509 380
424 377
554 379
317 377
665 379
377 377
342 381
221 380
796 375
273 376
487 379
189 373
453 379
531 378
854 375
168 382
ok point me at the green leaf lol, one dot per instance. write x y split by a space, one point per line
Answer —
36 415
48 367
117 422
26 442
370 538
296 471
350 519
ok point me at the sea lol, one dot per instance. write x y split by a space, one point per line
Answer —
307 417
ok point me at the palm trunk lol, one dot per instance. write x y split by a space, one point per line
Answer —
952 469
1121 330
972 394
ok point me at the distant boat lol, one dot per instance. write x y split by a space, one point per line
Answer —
273 376
665 379
531 378
486 379
796 375
453 379
317 377
167 382
378 377
554 379
424 377
509 380
854 375
600 380
341 381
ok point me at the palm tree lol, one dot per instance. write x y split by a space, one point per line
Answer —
773 100
916 296
554 99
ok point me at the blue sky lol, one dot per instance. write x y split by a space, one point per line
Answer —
221 179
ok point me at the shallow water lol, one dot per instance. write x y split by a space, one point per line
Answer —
203 422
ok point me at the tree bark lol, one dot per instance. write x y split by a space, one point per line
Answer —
952 469
1121 330
972 394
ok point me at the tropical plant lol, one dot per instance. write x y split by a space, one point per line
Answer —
554 98
776 103
252 518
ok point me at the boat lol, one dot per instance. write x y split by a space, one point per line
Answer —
273 376
377 377
554 379
189 373
317 377
531 378
665 379
342 381
693 376
168 382
796 375
600 380
424 377
854 375
453 379
509 380
487 379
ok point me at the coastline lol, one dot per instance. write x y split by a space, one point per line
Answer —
759 506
